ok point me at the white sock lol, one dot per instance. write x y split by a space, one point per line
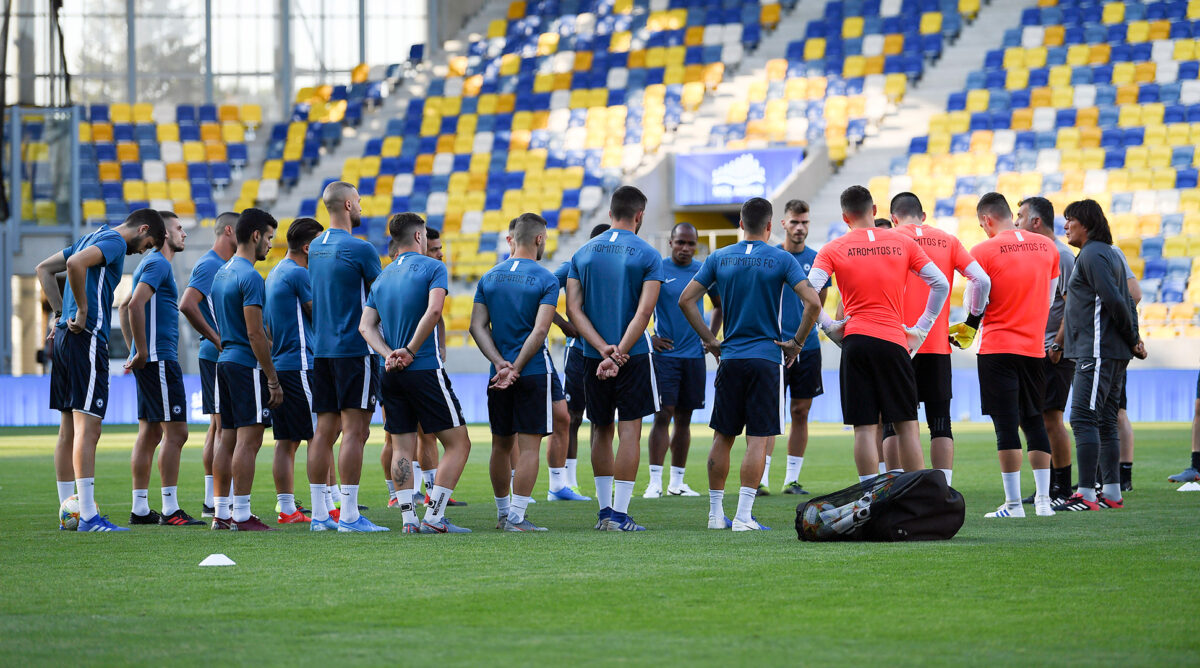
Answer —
241 507
330 490
676 477
1112 491
417 477
949 473
405 497
87 497
656 476
558 478
622 492
287 503
221 510
320 511
716 498
792 474
604 491
882 468
745 507
766 479
437 504
430 480
391 488
170 500
208 491
572 468
1012 488
1041 482
502 505
141 502
230 494
1089 494
516 514
349 504
865 478
66 489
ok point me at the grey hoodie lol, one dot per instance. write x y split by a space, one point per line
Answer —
1101 320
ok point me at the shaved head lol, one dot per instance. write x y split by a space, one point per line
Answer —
336 194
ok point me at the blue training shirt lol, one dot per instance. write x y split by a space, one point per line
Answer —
236 286
611 269
288 290
793 308
101 280
752 277
513 292
401 296
202 278
162 311
561 274
668 317
342 268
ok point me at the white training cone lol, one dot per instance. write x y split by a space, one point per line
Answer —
1189 487
217 560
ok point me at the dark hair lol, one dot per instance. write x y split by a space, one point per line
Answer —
756 215
906 205
153 220
225 219
993 204
301 232
433 233
402 226
796 206
856 201
168 214
1087 212
626 202
676 226
525 228
1042 208
598 230
393 246
883 222
251 221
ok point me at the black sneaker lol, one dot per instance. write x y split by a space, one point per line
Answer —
1127 486
794 488
763 491
179 518
151 517
207 510
1028 500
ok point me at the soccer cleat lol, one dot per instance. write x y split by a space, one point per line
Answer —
299 507
682 490
360 525
410 527
1076 504
1006 510
602 518
1105 502
622 522
98 523
442 526
525 525
252 524
1126 485
151 517
794 487
179 519
652 492
327 524
1043 506
752 525
715 522
449 503
297 517
393 503
763 491
1028 500
207 511
501 521
335 515
219 524
566 494
1187 475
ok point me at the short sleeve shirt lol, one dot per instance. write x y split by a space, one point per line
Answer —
793 308
513 292
236 286
611 269
342 269
948 253
401 296
288 290
668 317
100 282
162 310
203 272
1022 266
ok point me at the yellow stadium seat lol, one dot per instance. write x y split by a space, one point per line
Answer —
931 23
178 170
1135 157
619 42
215 152
179 189
1078 55
1099 54
157 190
1053 36
1040 96
143 112
516 10
102 132
1122 73
1185 49
814 49
1017 79
1087 117
852 27
251 115
769 16
93 209
1137 31
1114 12
1129 116
1062 98
120 112
127 151
1022 119
1176 246
1159 30
1060 77
893 44
134 191
497 28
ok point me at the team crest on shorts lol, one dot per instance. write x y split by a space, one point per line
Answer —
99 403
177 409
266 412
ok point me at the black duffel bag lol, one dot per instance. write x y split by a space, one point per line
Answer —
892 507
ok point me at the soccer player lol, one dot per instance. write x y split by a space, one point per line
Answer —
931 364
513 311
802 378
678 365
1192 473
150 325
751 277
246 379
1024 268
196 306
346 376
288 316
612 287
1036 215
79 377
407 301
877 381
1101 336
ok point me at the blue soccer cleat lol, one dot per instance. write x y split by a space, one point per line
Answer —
1187 475
98 523
602 518
327 524
523 525
410 527
566 494
622 522
360 525
442 526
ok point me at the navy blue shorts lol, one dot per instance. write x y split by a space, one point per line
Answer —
681 382
210 400
749 395
525 407
81 365
160 393
803 377
243 395
573 383
345 382
294 418
421 397
631 395
556 389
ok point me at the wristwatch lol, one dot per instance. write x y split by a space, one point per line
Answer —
1056 347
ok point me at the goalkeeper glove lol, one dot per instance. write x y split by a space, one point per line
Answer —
962 334
916 337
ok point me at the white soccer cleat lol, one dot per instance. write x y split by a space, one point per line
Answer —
1006 510
682 490
653 492
1042 507
752 525
721 523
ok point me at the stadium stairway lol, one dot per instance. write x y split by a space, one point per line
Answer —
913 114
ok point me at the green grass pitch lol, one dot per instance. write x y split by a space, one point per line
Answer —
1115 586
